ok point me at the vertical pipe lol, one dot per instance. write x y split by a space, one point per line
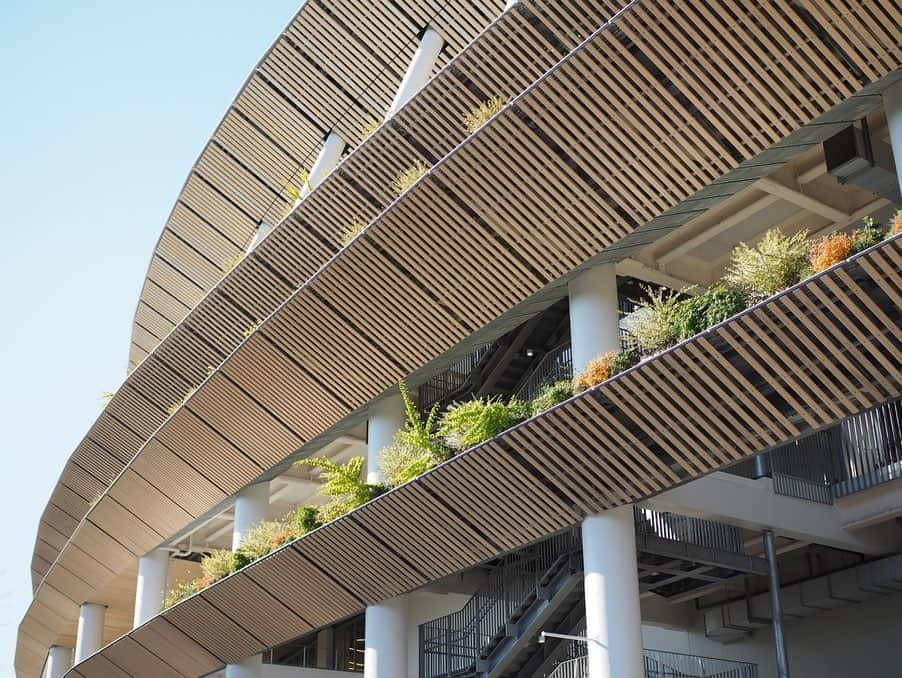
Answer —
760 466
776 605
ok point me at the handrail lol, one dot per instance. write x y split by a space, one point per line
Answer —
696 531
660 664
556 365
455 642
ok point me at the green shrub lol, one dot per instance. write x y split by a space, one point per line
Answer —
416 448
551 394
475 421
260 540
652 325
777 262
302 520
217 565
706 310
867 236
624 359
343 485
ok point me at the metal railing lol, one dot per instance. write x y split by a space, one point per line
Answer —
556 365
667 665
445 385
452 644
861 452
688 530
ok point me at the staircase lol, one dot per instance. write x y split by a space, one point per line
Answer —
668 665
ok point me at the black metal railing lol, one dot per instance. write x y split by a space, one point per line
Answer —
443 387
451 645
556 365
697 531
860 453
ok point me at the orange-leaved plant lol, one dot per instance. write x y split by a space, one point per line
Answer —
597 371
829 250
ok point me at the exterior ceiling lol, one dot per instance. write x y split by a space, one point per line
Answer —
787 367
286 383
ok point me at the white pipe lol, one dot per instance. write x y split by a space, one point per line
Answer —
153 572
420 69
613 618
386 417
251 505
89 636
594 315
892 103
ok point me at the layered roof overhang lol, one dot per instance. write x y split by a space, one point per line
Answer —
818 353
557 166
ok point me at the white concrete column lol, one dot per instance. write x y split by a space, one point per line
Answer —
385 651
326 161
59 660
613 618
89 636
386 417
153 575
594 315
420 69
250 508
892 102
252 667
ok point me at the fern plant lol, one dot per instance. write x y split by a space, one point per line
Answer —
475 421
416 448
343 486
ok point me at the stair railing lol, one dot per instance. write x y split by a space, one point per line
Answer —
451 645
556 365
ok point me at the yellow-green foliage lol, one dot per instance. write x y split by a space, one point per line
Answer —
551 394
172 409
217 565
250 330
106 397
653 324
258 541
483 113
407 178
342 485
370 126
352 230
470 423
181 591
775 263
416 448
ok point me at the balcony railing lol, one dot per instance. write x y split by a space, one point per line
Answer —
860 453
443 387
667 665
557 365
688 530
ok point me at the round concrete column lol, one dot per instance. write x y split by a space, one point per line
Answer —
89 636
326 161
385 652
613 619
250 508
59 660
386 417
252 667
892 103
153 573
594 315
420 69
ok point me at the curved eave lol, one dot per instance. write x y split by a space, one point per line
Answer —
530 210
359 189
748 385
334 67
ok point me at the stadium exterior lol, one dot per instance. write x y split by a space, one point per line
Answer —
728 506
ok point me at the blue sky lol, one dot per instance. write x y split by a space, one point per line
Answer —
104 106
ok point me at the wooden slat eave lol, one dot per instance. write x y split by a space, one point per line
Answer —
427 196
730 380
336 71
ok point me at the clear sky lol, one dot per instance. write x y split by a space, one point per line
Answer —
104 106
